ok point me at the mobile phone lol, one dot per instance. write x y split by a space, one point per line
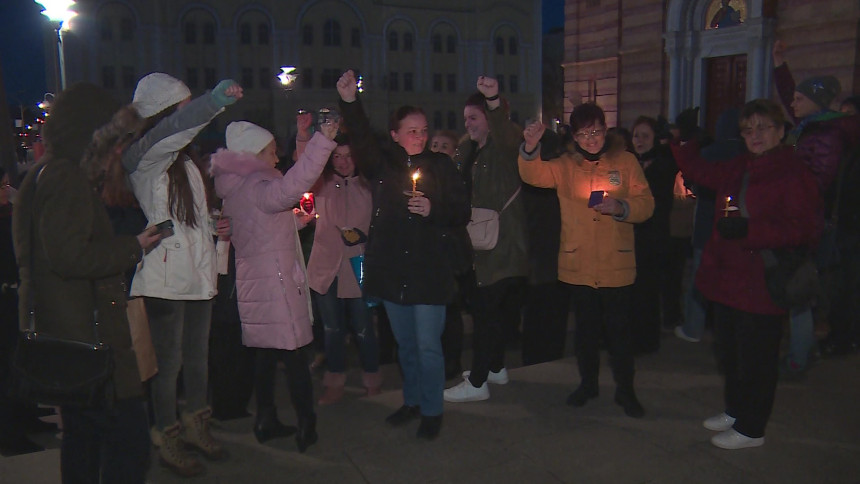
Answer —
596 198
165 228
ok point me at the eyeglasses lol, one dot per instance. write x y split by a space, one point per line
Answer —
594 133
750 130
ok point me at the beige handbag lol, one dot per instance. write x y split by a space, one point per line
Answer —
141 340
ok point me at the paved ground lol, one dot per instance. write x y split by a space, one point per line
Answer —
526 434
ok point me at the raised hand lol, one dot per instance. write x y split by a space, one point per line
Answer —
778 52
346 86
227 92
488 86
532 135
330 129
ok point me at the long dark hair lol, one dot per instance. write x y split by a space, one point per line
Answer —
102 160
180 196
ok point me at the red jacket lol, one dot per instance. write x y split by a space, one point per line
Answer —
783 202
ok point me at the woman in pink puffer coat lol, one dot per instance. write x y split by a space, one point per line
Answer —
271 278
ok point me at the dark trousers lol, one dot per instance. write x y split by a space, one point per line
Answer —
495 309
452 337
107 446
545 322
748 352
298 380
603 311
231 364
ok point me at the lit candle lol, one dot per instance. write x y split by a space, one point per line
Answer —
415 177
728 205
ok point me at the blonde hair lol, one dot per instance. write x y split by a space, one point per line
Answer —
102 161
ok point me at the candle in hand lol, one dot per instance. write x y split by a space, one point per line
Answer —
415 177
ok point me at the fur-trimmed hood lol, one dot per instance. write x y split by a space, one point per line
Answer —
229 169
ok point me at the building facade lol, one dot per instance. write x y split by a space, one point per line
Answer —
649 57
421 52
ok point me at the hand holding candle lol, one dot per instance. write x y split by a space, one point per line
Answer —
729 207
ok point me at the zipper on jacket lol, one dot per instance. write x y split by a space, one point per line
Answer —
286 300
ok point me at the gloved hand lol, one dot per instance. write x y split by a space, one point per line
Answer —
219 94
731 228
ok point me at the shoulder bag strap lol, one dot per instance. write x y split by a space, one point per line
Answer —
510 200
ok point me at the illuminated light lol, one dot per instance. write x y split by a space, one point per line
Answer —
359 84
287 76
58 11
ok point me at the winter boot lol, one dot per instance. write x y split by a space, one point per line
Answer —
307 432
267 425
333 383
171 453
372 382
196 434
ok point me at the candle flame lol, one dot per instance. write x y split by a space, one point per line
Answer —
306 195
728 199
416 175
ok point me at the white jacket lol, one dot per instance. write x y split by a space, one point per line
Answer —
181 267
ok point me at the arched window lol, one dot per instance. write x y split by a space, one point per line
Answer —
436 40
245 33
263 34
500 46
190 33
209 33
308 34
512 46
392 40
331 33
452 44
724 14
407 42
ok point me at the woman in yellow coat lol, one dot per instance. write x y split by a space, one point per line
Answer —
602 193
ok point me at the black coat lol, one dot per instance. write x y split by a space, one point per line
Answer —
409 259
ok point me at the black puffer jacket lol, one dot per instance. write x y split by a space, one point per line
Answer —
408 258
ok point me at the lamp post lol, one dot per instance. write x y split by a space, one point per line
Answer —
59 13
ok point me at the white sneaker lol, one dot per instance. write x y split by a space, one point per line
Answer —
732 439
466 392
679 332
495 377
719 423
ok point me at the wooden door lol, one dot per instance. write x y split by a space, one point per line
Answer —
726 85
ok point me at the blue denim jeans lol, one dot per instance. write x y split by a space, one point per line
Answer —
694 304
418 331
180 336
109 446
335 311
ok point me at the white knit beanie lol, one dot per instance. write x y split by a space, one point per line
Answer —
245 137
157 92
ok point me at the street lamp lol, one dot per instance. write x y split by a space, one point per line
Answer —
59 13
287 76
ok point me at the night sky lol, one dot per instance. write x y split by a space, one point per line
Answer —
23 54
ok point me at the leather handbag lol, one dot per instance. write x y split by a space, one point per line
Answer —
483 227
53 371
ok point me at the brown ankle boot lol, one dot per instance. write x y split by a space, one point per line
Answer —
372 382
172 454
333 383
196 434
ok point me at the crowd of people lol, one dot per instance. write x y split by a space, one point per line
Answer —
600 222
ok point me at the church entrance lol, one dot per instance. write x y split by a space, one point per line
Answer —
726 86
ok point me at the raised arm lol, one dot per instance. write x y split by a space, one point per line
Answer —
363 144
174 132
280 195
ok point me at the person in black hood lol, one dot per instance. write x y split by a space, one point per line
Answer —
71 267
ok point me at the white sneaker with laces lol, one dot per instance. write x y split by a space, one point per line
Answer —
732 439
466 392
679 332
719 423
495 377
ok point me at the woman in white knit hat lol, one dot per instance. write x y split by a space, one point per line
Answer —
178 278
271 278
